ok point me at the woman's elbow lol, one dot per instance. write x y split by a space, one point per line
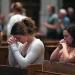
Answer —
23 64
51 59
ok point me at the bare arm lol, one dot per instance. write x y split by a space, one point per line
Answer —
55 55
49 25
68 57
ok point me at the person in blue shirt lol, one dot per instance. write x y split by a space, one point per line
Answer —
63 22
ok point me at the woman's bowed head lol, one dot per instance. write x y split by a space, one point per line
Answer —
22 29
65 51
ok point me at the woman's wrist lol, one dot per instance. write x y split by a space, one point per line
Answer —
14 47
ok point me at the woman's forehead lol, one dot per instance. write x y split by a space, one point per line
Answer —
65 32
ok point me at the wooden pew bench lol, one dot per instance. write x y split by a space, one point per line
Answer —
40 36
6 70
59 67
31 70
48 51
4 43
38 70
3 55
47 73
50 46
50 42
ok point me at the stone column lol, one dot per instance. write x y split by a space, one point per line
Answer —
5 8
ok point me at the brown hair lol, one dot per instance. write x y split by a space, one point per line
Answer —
71 31
27 25
52 7
18 6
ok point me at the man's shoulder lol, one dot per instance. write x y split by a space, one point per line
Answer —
55 16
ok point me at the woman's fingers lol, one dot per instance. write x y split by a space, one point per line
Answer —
11 40
62 41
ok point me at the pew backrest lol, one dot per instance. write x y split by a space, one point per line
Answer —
59 67
48 51
32 68
3 55
50 42
4 43
47 73
6 70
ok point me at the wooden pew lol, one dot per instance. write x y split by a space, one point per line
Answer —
4 43
50 46
6 70
40 36
47 73
38 70
32 68
3 55
50 42
48 51
59 67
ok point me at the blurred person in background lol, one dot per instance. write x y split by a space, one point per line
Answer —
18 16
51 23
2 25
71 15
63 22
12 10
